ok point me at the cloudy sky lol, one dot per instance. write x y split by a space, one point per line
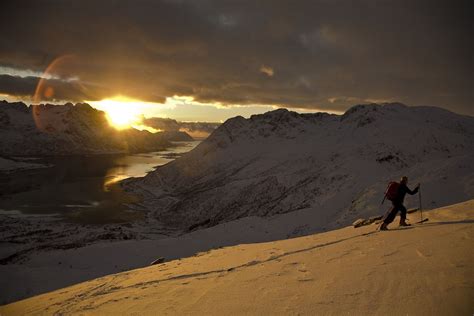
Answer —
239 57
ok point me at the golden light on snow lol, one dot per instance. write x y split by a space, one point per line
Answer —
267 70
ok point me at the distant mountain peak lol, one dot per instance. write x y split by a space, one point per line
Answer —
71 129
282 161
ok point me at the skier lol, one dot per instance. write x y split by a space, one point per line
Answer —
397 203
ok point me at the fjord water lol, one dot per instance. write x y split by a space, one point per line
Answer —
82 189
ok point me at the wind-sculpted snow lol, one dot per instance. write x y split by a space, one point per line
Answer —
335 166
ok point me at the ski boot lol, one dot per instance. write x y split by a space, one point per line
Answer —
404 223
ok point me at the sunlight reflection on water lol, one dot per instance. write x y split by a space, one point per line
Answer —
82 189
140 164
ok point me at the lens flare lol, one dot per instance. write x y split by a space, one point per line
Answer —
44 90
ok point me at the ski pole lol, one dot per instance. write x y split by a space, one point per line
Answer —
385 194
419 197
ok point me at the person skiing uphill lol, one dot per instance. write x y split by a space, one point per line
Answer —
397 203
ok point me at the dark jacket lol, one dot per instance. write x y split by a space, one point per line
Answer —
402 191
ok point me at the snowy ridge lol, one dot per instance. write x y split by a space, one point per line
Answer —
334 168
69 129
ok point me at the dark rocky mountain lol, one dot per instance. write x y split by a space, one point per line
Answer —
69 129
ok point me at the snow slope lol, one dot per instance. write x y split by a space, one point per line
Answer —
332 167
425 269
271 177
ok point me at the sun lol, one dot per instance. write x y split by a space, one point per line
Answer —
122 116
121 112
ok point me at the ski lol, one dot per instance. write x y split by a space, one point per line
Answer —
422 221
404 227
416 223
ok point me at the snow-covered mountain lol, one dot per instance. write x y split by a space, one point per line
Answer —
70 129
280 175
330 169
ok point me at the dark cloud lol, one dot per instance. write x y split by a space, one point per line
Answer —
50 89
18 86
322 54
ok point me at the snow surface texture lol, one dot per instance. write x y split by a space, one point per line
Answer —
420 270
70 129
274 176
330 168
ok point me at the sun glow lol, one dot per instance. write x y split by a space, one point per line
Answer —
122 113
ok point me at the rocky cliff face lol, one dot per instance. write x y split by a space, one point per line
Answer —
335 166
69 129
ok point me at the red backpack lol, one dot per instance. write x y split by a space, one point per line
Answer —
392 191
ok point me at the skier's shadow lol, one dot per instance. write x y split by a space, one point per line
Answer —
401 228
467 221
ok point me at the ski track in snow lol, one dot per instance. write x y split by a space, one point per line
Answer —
273 176
341 271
